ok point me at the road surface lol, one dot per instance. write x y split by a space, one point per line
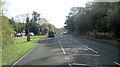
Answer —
71 51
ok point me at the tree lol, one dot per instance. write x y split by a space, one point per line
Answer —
48 27
81 22
32 23
4 5
70 24
7 32
95 17
113 21
7 29
76 20
27 25
16 26
35 16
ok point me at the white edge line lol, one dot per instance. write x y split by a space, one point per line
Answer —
117 63
25 55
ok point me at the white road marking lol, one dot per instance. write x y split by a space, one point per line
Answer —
90 48
87 54
85 46
59 42
90 54
75 40
64 53
63 49
80 64
117 63
70 64
24 55
65 57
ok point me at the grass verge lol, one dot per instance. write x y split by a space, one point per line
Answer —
112 42
12 52
38 36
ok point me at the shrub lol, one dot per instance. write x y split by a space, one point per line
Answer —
7 32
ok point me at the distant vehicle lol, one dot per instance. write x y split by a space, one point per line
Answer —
64 33
18 34
31 34
51 34
23 34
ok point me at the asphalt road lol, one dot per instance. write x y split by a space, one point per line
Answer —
71 51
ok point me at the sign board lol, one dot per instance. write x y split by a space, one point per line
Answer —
28 28
43 30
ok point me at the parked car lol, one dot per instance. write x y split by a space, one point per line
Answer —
18 34
64 33
23 34
31 34
51 34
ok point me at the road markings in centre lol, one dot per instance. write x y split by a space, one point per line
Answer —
64 53
62 48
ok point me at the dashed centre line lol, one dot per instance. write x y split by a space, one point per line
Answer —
65 54
62 48
59 42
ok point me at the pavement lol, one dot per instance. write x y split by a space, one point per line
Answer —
70 51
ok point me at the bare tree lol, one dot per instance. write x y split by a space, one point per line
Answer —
22 18
4 7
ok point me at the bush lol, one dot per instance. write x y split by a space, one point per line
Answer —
7 32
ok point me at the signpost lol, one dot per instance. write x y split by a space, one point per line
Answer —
28 35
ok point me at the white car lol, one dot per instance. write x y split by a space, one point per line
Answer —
31 34
18 35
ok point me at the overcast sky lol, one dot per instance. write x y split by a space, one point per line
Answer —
55 11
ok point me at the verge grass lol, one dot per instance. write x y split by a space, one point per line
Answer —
38 36
112 42
13 51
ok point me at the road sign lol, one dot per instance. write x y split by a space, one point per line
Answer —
43 30
28 28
